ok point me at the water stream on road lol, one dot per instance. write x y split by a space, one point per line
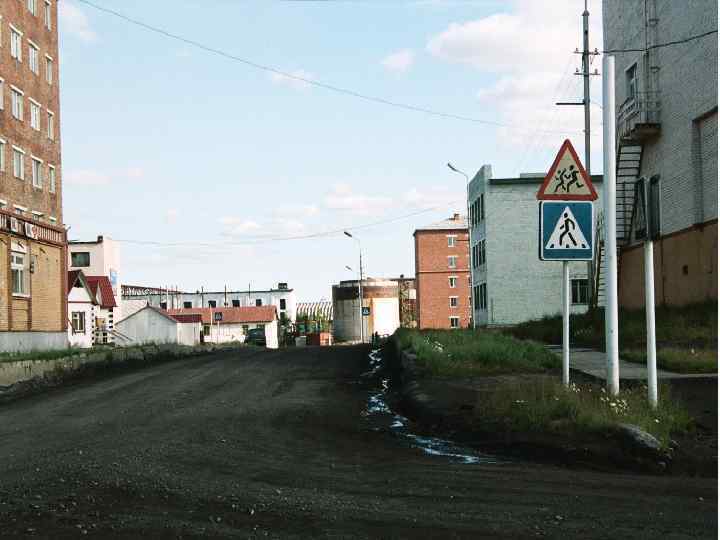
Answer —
383 418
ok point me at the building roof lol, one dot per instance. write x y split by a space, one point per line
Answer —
230 315
534 179
187 317
73 276
102 284
315 310
453 223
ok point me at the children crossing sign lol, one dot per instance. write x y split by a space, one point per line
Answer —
567 179
566 230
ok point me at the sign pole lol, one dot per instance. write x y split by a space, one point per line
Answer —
611 286
650 303
566 322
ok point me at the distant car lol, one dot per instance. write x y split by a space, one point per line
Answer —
256 336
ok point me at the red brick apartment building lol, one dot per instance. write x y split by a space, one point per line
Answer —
33 311
442 274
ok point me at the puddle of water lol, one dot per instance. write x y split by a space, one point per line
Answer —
384 419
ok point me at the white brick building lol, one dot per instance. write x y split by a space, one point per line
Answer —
666 99
511 284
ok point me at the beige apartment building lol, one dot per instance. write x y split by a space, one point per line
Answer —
33 277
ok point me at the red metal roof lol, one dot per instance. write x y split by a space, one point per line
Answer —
72 278
187 317
102 283
231 315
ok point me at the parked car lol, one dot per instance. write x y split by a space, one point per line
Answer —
256 336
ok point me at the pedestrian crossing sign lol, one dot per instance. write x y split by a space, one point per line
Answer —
567 230
567 179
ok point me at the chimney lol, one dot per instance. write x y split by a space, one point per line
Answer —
456 217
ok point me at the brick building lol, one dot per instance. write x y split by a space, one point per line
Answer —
33 278
667 101
442 274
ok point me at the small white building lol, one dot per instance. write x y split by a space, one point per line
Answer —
152 325
82 305
510 284
221 325
99 257
380 301
106 310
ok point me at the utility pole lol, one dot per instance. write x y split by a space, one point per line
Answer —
586 54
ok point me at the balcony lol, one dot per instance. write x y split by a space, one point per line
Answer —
639 118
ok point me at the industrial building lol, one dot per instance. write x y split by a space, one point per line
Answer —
380 300
33 273
666 99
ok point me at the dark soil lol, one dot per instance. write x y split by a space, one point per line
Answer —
274 444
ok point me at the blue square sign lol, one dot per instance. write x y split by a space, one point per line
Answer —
567 230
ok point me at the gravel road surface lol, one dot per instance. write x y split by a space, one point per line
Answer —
278 444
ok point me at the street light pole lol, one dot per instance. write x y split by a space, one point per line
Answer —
472 279
360 290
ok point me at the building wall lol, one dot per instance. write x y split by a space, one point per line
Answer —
684 271
188 333
432 278
104 261
47 287
381 296
147 326
80 301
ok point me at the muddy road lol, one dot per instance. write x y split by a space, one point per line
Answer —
279 444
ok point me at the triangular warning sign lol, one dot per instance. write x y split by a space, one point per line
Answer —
567 233
567 179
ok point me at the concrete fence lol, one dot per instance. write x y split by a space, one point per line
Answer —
20 371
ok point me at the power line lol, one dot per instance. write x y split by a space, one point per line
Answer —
249 240
661 45
319 84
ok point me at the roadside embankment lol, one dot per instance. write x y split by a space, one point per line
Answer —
26 375
531 415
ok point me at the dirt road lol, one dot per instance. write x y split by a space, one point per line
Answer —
257 444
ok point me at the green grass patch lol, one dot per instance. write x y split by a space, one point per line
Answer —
692 326
545 405
468 352
679 360
53 354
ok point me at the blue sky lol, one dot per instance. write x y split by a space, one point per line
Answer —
167 143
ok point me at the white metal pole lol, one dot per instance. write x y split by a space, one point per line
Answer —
362 317
566 322
611 285
650 320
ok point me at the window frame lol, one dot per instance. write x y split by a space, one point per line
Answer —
19 274
78 253
48 15
49 67
578 290
19 152
80 318
456 304
33 57
35 113
52 185
50 125
452 282
16 43
452 240
452 261
17 97
37 177
456 320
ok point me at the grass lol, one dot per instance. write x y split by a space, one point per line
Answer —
467 352
548 406
679 360
43 355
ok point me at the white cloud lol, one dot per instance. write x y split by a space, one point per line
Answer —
136 173
171 215
434 197
523 51
87 177
298 81
238 226
74 21
341 197
399 62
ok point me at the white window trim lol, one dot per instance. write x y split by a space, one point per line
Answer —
52 186
31 100
3 202
17 90
35 158
49 57
33 44
19 149
53 219
37 214
21 208
16 30
457 304
2 88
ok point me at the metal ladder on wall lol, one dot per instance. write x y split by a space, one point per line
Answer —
629 158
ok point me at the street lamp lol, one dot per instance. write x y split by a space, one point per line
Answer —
360 291
472 281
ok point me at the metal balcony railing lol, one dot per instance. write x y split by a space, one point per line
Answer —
639 116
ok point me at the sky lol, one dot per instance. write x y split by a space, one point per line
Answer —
209 171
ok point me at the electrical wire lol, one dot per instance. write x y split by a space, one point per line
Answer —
305 80
661 45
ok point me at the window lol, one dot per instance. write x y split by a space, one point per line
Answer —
453 301
48 69
48 15
452 261
452 282
236 303
206 330
631 82
53 220
454 322
18 267
451 240
78 322
18 163
51 179
80 259
482 206
258 302
260 326
34 58
163 305
2 155
212 303
51 125
32 6
245 328
20 210
34 115
15 44
482 296
37 179
579 289
16 96
187 305
283 304
2 94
